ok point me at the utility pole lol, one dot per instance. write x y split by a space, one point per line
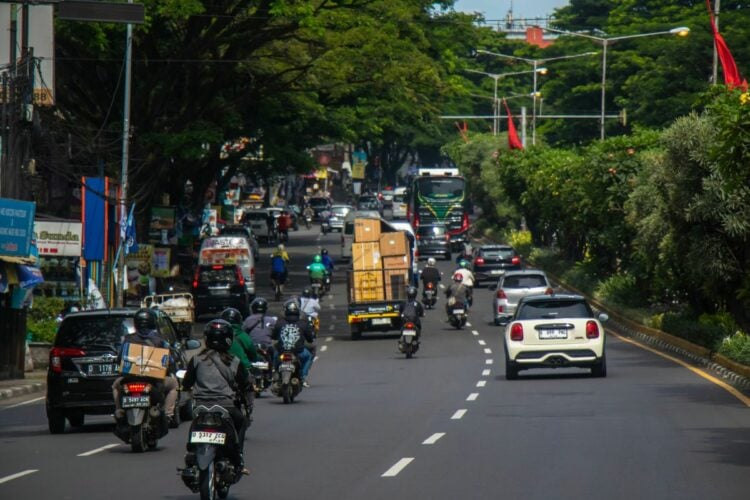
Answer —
715 73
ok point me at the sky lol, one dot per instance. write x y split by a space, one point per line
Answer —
497 9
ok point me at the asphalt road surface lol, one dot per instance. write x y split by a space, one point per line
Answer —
443 425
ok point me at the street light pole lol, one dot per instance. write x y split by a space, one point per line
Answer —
604 87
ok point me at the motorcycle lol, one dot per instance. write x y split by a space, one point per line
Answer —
429 295
287 380
408 343
143 403
209 468
308 221
327 282
317 288
457 315
261 371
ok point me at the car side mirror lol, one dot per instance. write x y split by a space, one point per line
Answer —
603 317
192 344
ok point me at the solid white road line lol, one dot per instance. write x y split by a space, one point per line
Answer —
482 342
487 361
473 396
17 475
23 403
433 439
323 348
397 467
97 450
328 339
485 373
458 415
487 350
474 332
481 383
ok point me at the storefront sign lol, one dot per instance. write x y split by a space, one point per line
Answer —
16 227
58 239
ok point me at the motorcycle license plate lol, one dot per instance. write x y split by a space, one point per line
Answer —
260 365
409 333
286 367
208 437
136 402
458 311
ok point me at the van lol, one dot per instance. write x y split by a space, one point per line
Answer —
399 203
227 250
347 235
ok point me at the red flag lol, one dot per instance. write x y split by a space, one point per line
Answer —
513 141
731 73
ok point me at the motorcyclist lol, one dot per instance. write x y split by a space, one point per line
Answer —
316 270
327 261
242 347
430 274
218 378
457 293
258 325
292 333
146 334
309 305
308 213
468 278
279 262
284 224
412 310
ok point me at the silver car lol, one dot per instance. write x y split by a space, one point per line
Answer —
336 216
512 286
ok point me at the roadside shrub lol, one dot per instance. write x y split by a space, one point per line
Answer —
521 241
737 348
690 328
41 321
583 276
549 260
620 289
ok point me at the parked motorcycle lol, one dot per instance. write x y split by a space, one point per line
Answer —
209 467
261 371
143 403
457 315
287 380
408 343
429 295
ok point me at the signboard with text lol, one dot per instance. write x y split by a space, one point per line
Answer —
16 227
58 239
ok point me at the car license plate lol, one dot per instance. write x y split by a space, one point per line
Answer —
497 271
381 321
458 311
553 334
219 292
208 437
136 402
101 370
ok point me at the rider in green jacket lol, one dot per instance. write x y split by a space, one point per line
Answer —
317 270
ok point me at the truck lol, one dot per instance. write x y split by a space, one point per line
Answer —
379 276
178 306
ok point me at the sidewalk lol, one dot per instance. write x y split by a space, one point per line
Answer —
35 382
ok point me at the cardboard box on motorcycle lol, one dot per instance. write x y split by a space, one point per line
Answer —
144 361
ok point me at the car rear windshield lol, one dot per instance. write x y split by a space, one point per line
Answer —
223 275
318 202
431 230
398 198
255 216
497 253
526 281
552 309
94 331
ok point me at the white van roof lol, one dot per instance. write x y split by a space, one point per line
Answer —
362 214
225 242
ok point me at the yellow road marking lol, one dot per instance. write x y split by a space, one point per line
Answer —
731 390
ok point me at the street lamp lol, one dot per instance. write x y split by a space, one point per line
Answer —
496 77
605 41
535 62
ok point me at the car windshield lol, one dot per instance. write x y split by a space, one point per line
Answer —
318 202
441 187
553 309
222 275
497 253
431 230
94 331
525 281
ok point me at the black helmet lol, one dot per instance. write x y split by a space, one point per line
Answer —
232 316
145 319
291 309
219 335
259 306
324 251
411 293
307 293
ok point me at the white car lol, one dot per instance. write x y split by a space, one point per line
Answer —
555 331
256 220
399 203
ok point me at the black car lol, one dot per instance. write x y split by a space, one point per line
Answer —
491 261
83 364
216 287
433 239
319 205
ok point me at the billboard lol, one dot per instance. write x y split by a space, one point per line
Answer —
16 227
58 239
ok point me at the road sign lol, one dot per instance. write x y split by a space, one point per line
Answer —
16 227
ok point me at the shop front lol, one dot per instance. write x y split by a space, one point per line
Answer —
59 245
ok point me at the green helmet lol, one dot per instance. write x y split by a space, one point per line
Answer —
463 263
317 259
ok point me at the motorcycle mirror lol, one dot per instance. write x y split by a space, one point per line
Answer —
180 374
192 344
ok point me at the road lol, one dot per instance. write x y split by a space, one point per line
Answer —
443 425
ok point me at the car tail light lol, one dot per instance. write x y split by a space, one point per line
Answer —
516 332
286 357
418 237
479 260
549 291
240 278
195 279
252 273
516 260
592 330
56 355
137 387
416 253
500 294
416 220
465 222
409 326
500 308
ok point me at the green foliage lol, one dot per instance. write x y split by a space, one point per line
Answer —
583 276
620 289
41 320
737 348
688 327
521 241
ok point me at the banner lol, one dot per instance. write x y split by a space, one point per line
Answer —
16 227
94 217
29 276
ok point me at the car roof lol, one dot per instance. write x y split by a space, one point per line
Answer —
363 214
341 205
522 272
495 246
554 297
92 313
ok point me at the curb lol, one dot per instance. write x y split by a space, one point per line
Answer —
12 392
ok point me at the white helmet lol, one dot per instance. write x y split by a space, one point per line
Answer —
431 261
281 247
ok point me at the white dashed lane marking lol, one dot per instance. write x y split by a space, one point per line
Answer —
487 361
468 324
485 373
442 287
487 350
315 359
397 467
473 396
324 348
474 332
328 339
433 439
17 475
481 383
482 342
458 415
97 450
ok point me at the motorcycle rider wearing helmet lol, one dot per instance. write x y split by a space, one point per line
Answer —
430 274
218 378
317 270
146 334
292 333
457 293
412 310
468 278
327 261
309 305
242 347
258 325
279 263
